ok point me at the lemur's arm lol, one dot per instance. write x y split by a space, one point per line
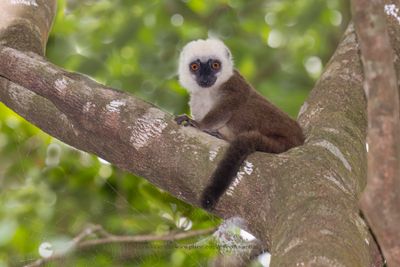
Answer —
217 117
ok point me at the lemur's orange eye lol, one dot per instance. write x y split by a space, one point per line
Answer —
194 66
216 65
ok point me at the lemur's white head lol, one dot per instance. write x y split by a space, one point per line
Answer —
204 64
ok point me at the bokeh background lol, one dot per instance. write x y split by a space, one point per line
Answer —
49 191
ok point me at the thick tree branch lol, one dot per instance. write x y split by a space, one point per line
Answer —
302 203
381 199
120 128
25 26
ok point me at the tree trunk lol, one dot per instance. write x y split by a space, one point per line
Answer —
381 200
302 204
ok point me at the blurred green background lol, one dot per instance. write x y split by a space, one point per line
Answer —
49 191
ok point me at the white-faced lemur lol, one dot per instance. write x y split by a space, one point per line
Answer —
223 104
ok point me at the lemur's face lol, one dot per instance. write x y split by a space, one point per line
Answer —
204 65
205 72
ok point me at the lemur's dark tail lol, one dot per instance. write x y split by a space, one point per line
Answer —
242 146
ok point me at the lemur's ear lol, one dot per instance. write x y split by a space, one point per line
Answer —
228 53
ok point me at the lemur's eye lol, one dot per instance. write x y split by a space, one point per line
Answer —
216 65
194 67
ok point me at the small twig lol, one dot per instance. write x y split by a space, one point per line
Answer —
86 232
73 244
145 238
107 238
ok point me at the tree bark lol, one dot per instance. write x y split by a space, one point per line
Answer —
301 204
380 201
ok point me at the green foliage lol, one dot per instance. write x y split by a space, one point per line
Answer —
49 191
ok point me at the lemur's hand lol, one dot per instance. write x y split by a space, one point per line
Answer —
186 121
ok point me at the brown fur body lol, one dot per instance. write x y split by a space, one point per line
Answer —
241 109
250 123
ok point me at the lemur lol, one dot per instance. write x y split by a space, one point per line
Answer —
223 104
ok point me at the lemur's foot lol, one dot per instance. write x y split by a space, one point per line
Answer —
186 121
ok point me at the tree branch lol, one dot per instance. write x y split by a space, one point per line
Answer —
317 184
383 125
118 127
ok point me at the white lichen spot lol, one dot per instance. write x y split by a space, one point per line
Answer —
212 154
326 232
392 10
315 111
367 147
366 241
24 2
360 224
247 169
61 84
331 130
303 109
115 105
235 183
293 243
337 183
323 261
310 114
149 126
335 151
89 105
